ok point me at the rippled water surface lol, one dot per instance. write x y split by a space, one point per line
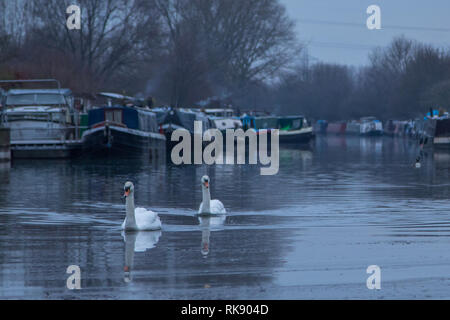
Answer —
310 231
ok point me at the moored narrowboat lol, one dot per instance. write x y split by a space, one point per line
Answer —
370 126
295 130
436 131
336 127
170 119
292 129
121 129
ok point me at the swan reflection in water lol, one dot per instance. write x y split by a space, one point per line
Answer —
139 241
207 223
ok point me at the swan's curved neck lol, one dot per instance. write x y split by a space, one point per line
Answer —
130 220
206 200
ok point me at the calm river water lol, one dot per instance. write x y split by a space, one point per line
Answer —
309 232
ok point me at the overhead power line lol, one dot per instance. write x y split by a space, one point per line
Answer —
341 45
363 25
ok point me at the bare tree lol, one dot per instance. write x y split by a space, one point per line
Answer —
236 42
115 35
15 21
253 39
185 64
383 77
321 91
394 59
436 96
16 18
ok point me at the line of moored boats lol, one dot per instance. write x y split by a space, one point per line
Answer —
52 123
431 130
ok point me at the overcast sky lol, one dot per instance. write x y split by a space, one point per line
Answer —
336 31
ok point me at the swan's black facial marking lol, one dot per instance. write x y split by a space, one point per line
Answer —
205 181
128 188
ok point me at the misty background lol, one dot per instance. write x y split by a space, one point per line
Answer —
315 58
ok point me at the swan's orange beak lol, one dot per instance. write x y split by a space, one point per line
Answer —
207 184
127 193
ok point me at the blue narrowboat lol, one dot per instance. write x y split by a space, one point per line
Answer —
123 129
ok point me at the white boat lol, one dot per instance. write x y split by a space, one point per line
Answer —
43 122
370 126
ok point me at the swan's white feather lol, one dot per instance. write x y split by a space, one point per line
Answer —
216 207
146 220
212 221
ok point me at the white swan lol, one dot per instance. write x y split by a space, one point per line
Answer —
209 206
138 219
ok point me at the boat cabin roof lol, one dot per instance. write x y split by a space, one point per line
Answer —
37 97
217 110
291 117
62 91
130 117
113 95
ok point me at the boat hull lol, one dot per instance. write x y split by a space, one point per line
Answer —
29 130
31 139
302 136
112 139
46 150
441 138
434 133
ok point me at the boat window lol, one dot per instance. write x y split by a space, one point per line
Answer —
35 99
296 124
113 116
291 124
22 99
118 116
109 116
49 99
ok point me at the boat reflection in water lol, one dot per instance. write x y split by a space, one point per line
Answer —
140 241
209 223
